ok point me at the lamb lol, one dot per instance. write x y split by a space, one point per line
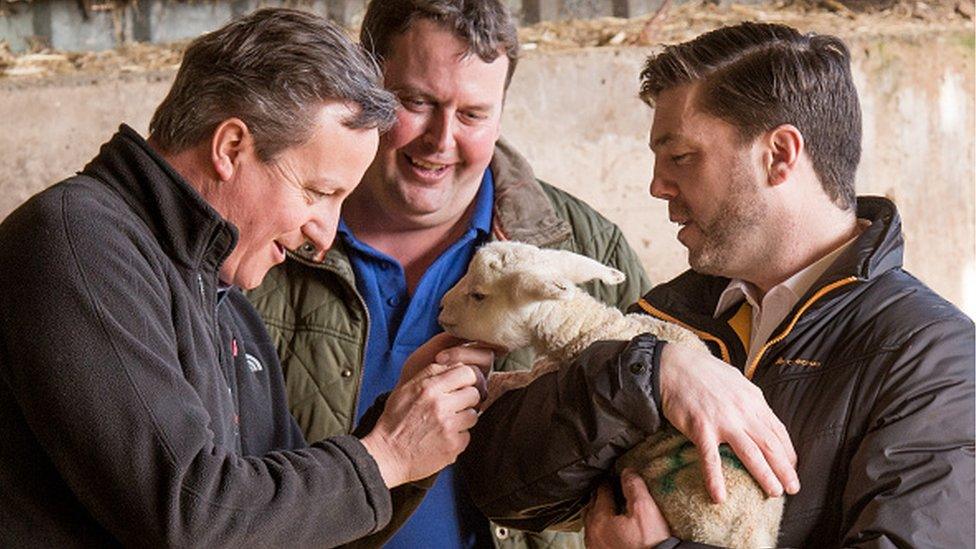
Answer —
515 295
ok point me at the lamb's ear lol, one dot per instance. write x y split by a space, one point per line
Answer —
579 268
493 260
538 288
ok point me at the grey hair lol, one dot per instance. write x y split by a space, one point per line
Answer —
486 26
272 69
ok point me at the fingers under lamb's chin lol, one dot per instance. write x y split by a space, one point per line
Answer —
476 341
499 350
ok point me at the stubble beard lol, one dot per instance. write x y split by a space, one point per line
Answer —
731 241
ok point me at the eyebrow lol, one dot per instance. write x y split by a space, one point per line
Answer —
662 140
412 91
322 183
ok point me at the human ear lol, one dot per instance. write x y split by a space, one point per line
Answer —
229 141
784 147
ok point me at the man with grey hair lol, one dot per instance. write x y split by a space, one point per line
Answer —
141 402
441 184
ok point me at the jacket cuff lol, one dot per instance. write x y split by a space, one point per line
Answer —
372 415
656 377
641 359
376 492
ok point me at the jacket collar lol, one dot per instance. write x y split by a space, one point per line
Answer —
523 212
190 231
878 249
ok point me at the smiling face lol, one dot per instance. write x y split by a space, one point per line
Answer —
430 165
714 184
278 205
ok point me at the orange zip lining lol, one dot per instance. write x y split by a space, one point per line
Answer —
820 293
701 335
751 370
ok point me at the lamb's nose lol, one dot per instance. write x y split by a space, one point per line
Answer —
445 321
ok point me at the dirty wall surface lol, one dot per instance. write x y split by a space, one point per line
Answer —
574 114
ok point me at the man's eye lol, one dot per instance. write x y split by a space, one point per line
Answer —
477 296
681 158
413 103
315 195
473 116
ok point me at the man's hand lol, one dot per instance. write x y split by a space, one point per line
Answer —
641 526
425 423
444 348
711 402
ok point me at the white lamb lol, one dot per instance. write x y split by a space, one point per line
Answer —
515 295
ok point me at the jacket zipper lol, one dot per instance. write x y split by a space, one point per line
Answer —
362 368
751 369
215 337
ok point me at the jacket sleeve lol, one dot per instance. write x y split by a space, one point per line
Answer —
405 498
90 351
911 479
538 452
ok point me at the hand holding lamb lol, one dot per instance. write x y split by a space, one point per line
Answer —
516 295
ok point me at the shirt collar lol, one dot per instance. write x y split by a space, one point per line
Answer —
483 202
734 293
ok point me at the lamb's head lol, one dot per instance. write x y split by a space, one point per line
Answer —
498 301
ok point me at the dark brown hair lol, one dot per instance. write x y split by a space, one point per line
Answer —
486 26
757 76
272 69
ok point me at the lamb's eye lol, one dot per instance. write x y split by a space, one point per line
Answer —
476 296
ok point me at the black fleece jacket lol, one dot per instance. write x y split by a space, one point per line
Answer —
124 414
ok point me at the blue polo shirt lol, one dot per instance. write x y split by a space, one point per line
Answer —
399 323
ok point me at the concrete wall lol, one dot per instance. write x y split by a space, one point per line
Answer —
575 115
65 25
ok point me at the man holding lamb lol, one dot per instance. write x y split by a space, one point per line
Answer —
797 287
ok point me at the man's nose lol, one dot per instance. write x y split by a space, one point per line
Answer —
440 130
662 187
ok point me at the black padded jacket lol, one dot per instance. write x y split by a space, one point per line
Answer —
872 374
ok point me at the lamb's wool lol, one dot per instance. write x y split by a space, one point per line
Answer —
516 295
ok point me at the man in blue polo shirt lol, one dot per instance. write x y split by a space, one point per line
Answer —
441 184
403 318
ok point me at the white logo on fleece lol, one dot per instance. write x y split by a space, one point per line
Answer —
253 363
